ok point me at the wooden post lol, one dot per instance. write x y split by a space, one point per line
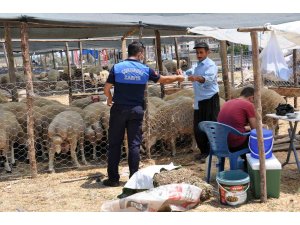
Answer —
258 114
41 60
5 55
115 57
69 73
155 53
61 57
223 55
81 66
171 52
72 55
53 58
99 58
177 58
45 60
295 75
145 55
159 60
232 64
124 47
29 96
9 56
242 72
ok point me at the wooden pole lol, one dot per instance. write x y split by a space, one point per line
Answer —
72 55
115 57
258 114
9 56
45 60
177 58
146 104
295 75
159 60
81 66
242 72
61 57
5 55
232 64
145 55
99 58
176 53
223 55
155 53
69 73
29 96
124 47
53 58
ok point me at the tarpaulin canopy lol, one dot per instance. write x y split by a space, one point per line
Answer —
83 25
288 35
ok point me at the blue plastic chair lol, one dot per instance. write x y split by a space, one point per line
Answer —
217 134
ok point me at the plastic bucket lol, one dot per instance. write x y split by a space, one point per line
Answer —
268 143
233 186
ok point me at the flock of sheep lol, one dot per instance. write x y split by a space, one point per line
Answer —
60 128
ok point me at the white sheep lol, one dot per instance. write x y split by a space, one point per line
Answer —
66 128
10 133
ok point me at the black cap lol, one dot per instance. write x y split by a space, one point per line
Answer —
201 45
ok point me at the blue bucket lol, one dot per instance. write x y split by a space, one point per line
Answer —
268 143
233 186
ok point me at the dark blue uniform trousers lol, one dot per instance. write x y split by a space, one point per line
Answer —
124 117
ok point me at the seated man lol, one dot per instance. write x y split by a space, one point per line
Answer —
239 113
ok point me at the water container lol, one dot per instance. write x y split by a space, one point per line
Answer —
233 186
268 143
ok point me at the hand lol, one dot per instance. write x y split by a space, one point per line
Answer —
192 78
109 101
179 72
180 78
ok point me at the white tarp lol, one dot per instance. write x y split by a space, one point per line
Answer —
143 179
288 35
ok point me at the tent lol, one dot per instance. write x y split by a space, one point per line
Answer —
288 35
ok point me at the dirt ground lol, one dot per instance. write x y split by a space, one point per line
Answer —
59 191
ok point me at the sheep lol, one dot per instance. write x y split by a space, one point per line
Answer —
66 127
173 119
184 92
171 65
19 109
84 102
3 98
96 117
53 75
152 65
10 133
103 76
40 102
43 116
154 91
61 85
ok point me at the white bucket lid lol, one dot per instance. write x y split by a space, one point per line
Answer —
271 163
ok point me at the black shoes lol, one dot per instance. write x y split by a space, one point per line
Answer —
111 183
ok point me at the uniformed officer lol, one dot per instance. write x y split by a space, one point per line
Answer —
129 79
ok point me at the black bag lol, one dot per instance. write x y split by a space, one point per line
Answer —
283 109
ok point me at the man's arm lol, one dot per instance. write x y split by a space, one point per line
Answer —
107 93
252 122
170 79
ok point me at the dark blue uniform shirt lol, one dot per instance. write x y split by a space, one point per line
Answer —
129 78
